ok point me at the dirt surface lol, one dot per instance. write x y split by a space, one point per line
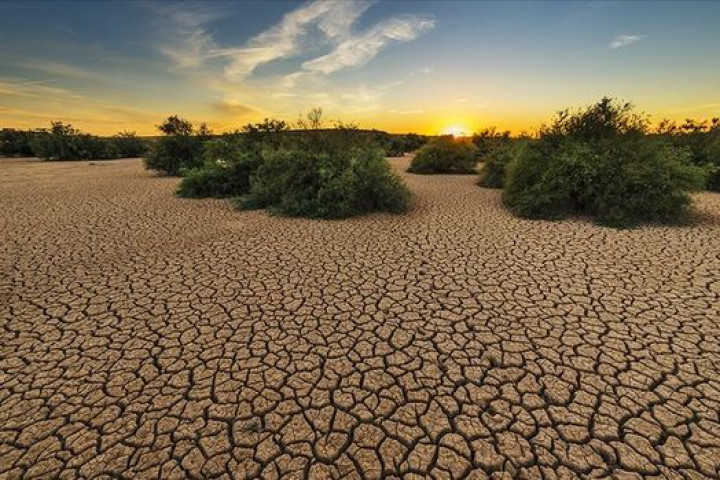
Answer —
143 336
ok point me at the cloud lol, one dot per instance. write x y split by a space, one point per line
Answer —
232 108
313 41
624 40
328 22
361 48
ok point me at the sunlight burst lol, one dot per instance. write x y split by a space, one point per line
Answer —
455 131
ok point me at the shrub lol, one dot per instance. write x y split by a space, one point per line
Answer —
445 155
16 142
701 140
180 148
128 145
63 142
267 134
489 139
306 183
621 180
712 155
495 164
399 145
56 143
606 119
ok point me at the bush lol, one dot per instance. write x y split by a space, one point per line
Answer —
219 180
306 183
495 164
712 155
128 145
399 145
445 155
180 148
601 166
16 142
63 142
701 140
489 139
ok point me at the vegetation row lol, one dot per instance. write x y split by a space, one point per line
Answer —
314 172
63 142
604 162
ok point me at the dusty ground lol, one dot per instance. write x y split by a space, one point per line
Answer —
143 335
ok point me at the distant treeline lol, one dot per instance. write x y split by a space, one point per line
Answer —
63 142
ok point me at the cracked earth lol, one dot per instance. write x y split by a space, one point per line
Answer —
146 336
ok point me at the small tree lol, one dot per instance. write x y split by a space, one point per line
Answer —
181 147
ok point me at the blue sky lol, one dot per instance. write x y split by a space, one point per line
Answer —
396 65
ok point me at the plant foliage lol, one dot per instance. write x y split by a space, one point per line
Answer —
496 160
180 148
445 155
226 172
598 162
316 184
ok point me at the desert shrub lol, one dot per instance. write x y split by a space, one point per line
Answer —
306 183
219 180
180 148
399 145
91 147
128 145
16 142
63 142
702 141
601 166
225 173
496 160
606 119
445 155
269 133
489 139
712 155
56 143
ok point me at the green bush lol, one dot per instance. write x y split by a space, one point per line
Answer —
399 145
489 139
496 160
63 142
445 155
16 142
180 148
306 183
128 145
621 180
701 139
712 155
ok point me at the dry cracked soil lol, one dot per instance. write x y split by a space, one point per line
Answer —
146 336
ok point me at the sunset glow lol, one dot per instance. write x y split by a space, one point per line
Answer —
427 67
456 131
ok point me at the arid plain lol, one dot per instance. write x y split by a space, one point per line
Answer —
146 336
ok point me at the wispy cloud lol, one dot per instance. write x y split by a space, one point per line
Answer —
333 20
314 40
624 40
363 47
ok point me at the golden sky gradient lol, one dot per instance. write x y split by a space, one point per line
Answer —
398 66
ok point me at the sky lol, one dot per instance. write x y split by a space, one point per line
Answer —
401 66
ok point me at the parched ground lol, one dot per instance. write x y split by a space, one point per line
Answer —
143 336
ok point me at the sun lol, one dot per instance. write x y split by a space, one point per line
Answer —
455 131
